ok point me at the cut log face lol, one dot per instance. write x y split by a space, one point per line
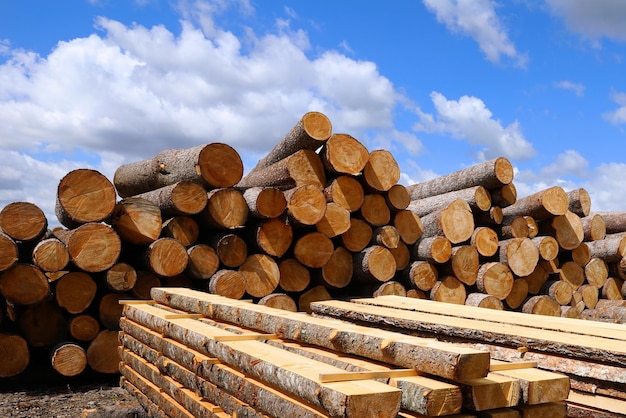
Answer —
294 276
596 272
518 294
482 300
314 294
358 236
274 237
485 240
23 221
182 228
398 197
137 221
569 230
504 196
102 354
75 291
305 205
495 278
203 261
544 204
381 172
265 202
49 254
464 264
450 290
520 254
110 310
182 198
69 359
230 248
336 220
547 246
374 210
83 327
374 264
594 227
9 252
24 284
409 226
16 363
279 301
344 154
226 209
345 191
313 249
542 305
338 270
572 273
455 222
435 249
83 196
261 273
121 277
579 202
422 275
167 257
228 283
402 255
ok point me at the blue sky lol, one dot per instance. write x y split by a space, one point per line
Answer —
442 84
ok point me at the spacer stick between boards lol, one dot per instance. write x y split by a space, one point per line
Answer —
498 367
136 302
348 376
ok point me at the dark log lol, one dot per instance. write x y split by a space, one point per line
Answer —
110 310
102 354
313 249
75 291
518 294
43 324
146 280
83 327
19 358
314 294
504 196
24 284
230 248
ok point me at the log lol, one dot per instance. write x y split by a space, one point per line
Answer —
230 248
614 221
137 221
374 264
313 249
544 204
305 205
568 230
214 165
515 227
121 277
482 300
261 274
493 217
559 290
589 295
83 196
68 359
102 355
434 249
608 310
310 132
9 253
182 228
166 257
401 255
495 279
581 255
579 202
49 254
504 196
203 261
182 198
389 288
455 222
314 294
519 293
75 291
294 276
226 209
611 249
422 275
23 221
374 210
336 220
304 167
228 283
570 312
110 310
572 273
594 227
146 280
449 289
611 289
436 358
520 254
463 264
338 270
398 197
490 174
344 154
43 324
409 226
83 327
265 202
477 197
485 240
279 301
345 191
24 284
381 172
541 305
596 272
547 246
536 279
16 363
386 235
358 236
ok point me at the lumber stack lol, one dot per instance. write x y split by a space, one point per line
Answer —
209 355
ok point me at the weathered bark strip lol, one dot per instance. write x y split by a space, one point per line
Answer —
376 344
477 197
287 371
216 382
23 221
83 196
182 198
490 174
214 165
310 132
144 401
544 204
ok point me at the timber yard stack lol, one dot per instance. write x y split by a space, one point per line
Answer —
318 221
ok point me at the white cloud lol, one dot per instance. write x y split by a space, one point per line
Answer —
470 120
577 88
593 18
477 19
618 116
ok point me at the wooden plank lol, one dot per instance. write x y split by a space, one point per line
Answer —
590 347
614 405
569 325
539 386
425 354
546 410
152 408
498 365
490 392
348 376
290 372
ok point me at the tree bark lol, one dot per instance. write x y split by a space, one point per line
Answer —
520 254
490 174
544 204
226 209
68 359
381 172
615 222
299 169
455 222
23 221
344 154
306 205
358 236
261 274
495 279
265 202
75 291
102 354
15 363
203 261
345 191
313 249
228 283
611 249
374 264
477 197
214 165
137 221
166 257
24 284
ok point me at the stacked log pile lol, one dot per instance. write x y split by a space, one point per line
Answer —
319 218
210 355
